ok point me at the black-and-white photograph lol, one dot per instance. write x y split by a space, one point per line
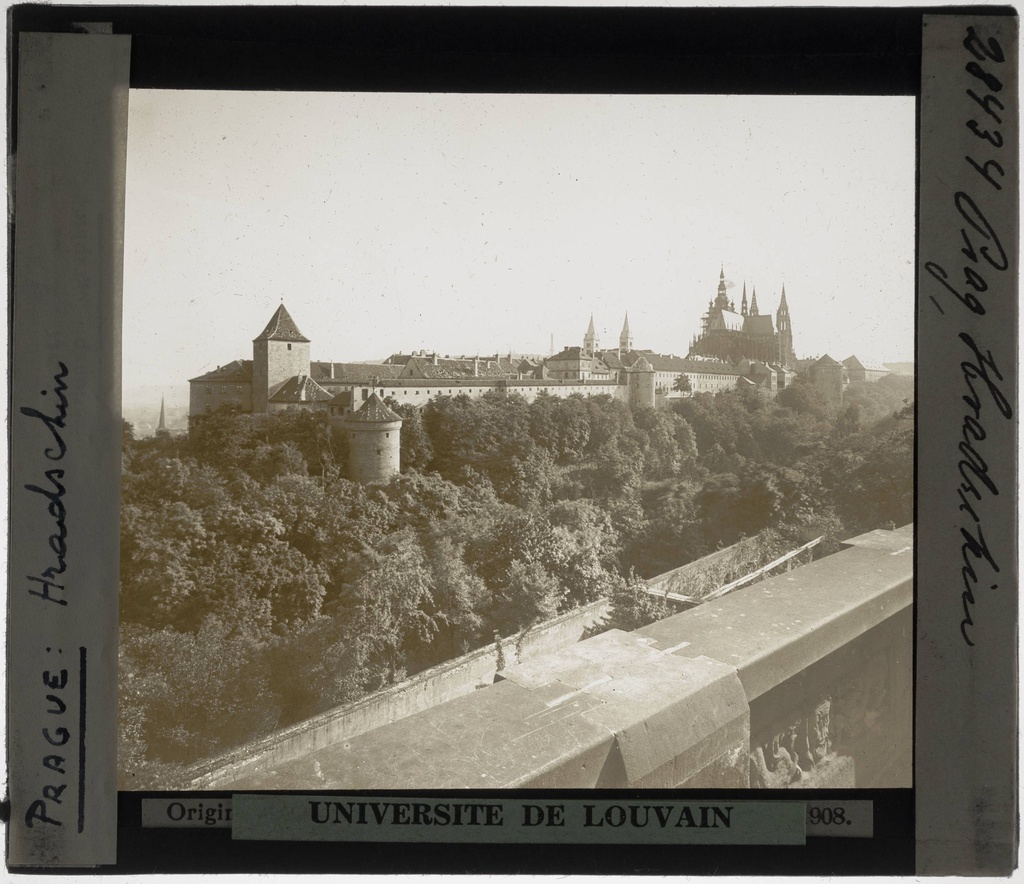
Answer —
517 440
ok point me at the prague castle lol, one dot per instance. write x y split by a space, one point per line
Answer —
733 349
744 349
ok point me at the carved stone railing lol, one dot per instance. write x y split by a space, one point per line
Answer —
803 680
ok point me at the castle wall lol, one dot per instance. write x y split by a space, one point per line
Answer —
204 398
374 450
420 392
275 407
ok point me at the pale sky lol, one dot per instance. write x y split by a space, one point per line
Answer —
389 222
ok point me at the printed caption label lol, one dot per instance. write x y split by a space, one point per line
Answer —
370 818
840 819
186 813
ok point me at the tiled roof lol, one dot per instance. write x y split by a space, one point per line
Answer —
611 359
726 319
569 353
866 364
352 372
374 410
642 365
301 388
826 360
343 399
237 372
661 362
434 367
281 328
759 325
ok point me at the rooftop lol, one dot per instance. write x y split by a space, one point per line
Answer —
238 371
281 328
301 388
374 411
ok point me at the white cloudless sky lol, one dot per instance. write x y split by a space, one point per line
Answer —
388 222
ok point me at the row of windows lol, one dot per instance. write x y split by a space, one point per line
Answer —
224 390
384 393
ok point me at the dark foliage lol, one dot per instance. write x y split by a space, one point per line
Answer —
259 586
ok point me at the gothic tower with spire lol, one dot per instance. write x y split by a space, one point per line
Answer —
785 331
590 340
626 338
279 352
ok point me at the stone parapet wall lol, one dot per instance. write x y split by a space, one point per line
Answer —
424 690
804 680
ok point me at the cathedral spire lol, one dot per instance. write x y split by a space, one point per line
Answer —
785 331
162 425
753 302
743 303
722 300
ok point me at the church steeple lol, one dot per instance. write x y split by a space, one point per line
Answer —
753 302
626 338
743 303
590 339
784 326
161 427
722 299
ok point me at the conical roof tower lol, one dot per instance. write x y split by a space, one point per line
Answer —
281 328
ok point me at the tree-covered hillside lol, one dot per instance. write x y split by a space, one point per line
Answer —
260 586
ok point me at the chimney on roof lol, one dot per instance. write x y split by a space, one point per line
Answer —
476 366
434 359
332 370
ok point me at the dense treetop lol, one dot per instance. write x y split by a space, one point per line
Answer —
260 586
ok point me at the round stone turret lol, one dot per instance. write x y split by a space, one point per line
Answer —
641 383
374 442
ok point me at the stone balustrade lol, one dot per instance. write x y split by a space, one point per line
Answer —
803 680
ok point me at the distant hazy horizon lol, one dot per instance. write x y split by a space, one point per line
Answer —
392 222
